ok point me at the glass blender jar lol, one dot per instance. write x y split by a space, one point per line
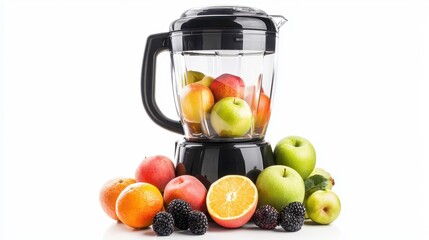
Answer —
223 66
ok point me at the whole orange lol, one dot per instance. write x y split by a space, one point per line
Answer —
138 204
109 193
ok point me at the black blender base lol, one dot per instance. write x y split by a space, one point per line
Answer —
209 161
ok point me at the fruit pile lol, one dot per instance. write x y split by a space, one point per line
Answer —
285 195
223 106
296 162
140 202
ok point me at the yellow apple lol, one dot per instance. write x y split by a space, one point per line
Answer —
206 81
193 76
196 101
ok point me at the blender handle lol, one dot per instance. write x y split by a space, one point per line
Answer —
154 45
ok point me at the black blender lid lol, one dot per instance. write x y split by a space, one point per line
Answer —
224 17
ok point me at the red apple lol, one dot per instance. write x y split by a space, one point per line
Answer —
157 170
250 97
196 101
187 188
261 109
227 85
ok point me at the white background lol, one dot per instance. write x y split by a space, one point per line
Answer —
352 78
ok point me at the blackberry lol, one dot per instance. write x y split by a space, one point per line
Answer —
289 221
198 223
180 211
296 208
163 224
266 217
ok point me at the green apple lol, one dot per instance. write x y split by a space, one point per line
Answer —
297 153
231 117
323 206
319 179
324 173
206 81
193 76
278 186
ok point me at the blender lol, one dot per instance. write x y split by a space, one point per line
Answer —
223 63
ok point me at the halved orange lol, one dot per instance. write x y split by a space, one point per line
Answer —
231 201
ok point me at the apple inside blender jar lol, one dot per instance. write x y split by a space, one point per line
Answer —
196 101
